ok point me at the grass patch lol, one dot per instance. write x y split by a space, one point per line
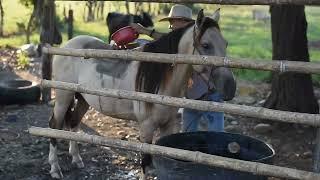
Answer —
23 60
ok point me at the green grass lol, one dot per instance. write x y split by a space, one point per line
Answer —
247 38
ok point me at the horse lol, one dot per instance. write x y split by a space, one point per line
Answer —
116 21
202 36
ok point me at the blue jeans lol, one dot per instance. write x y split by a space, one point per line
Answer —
191 118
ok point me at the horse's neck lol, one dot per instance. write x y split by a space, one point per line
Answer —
180 74
186 42
177 83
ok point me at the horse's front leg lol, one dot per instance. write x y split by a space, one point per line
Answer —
55 170
171 126
63 100
147 129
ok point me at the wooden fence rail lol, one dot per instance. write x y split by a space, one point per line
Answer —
279 66
256 112
197 157
227 2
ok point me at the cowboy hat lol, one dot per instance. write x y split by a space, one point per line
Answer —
179 12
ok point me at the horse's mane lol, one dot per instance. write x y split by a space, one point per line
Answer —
207 23
150 74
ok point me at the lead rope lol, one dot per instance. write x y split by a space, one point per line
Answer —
204 79
194 49
211 69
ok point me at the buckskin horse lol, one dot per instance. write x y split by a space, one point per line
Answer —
200 37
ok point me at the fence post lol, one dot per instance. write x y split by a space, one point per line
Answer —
49 35
70 24
316 153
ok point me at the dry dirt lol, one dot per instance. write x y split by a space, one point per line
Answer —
23 156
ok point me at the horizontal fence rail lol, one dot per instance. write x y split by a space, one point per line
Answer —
226 2
256 112
278 66
197 157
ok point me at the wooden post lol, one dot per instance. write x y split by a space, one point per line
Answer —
1 18
70 24
49 35
316 154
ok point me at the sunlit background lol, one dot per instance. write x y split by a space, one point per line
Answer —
247 37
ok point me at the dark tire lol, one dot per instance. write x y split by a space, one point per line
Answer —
18 91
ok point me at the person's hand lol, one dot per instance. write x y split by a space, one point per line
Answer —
139 28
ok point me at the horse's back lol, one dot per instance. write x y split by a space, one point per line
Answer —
97 74
65 68
84 41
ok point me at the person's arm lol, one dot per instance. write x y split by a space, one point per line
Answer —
143 30
154 34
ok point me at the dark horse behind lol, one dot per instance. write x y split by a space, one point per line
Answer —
116 21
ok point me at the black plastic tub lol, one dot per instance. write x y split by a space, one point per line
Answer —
215 143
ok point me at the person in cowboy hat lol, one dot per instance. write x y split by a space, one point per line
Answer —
179 17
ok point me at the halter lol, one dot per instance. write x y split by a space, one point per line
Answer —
206 80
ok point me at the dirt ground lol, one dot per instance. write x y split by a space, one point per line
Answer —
23 156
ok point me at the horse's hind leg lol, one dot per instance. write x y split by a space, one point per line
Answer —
147 128
74 121
63 101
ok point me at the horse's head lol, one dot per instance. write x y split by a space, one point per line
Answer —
146 20
205 38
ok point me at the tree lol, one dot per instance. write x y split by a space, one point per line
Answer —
100 10
138 8
127 6
34 19
101 4
1 18
91 9
290 91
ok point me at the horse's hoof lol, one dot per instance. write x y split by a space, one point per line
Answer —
142 177
56 175
56 171
78 164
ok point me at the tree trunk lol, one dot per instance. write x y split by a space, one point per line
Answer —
127 7
84 12
70 24
39 4
64 12
1 18
94 10
149 8
139 8
97 11
290 91
102 9
29 28
90 16
50 34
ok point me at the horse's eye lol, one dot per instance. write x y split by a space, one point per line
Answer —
205 45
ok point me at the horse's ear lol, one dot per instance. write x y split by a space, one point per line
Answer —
200 18
216 15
